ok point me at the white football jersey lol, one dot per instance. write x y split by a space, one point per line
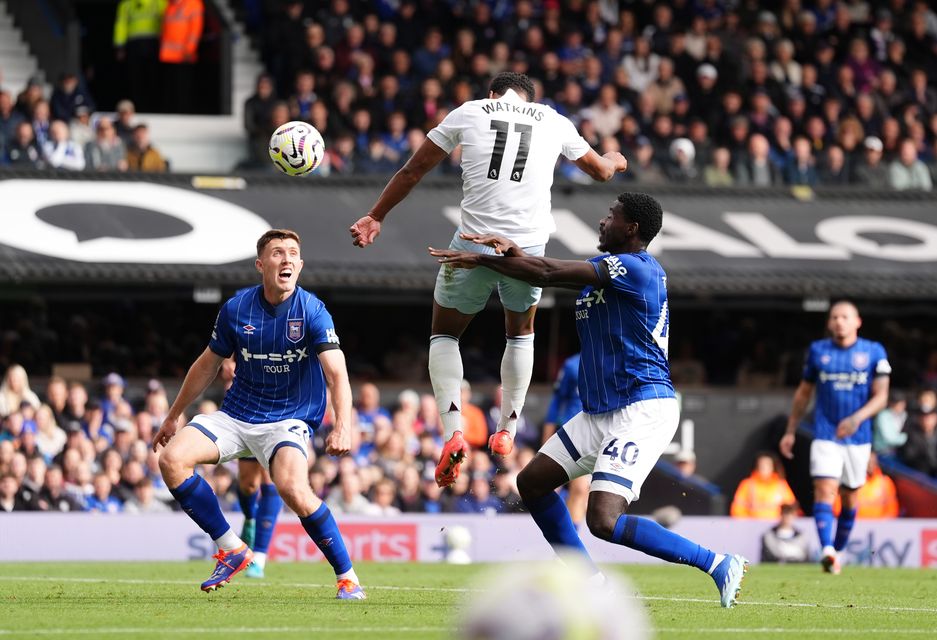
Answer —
509 151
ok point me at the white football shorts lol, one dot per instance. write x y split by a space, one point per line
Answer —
467 290
237 439
619 448
847 463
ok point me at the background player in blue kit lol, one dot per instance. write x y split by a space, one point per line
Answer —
287 353
850 375
630 413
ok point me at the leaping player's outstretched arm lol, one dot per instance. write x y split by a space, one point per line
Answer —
200 375
540 272
602 168
338 442
368 227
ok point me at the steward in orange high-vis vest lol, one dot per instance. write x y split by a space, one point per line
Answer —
762 493
182 30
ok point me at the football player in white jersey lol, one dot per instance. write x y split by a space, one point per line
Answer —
509 150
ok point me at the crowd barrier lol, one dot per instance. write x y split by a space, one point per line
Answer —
419 538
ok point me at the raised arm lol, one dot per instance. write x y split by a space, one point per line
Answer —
540 272
200 375
368 227
338 442
602 168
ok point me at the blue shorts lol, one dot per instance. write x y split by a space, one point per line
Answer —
467 290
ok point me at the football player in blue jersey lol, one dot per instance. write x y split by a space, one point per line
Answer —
850 376
287 353
630 412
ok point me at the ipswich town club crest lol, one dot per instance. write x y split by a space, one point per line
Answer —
860 360
295 330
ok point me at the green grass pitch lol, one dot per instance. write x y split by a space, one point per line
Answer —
140 601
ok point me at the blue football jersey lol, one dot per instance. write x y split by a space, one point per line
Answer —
843 379
278 374
623 328
565 402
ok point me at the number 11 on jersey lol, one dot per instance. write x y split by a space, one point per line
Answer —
497 154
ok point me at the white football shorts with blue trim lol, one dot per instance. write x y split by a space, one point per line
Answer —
619 448
467 290
847 463
237 439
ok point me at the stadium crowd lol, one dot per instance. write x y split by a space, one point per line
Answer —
709 92
65 449
74 447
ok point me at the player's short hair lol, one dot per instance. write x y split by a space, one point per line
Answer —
644 210
511 80
845 301
276 234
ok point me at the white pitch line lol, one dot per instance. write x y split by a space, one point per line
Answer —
216 630
307 585
779 630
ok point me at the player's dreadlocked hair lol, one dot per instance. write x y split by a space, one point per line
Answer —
644 210
510 80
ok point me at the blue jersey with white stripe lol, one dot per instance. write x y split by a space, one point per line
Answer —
623 328
843 377
565 402
278 375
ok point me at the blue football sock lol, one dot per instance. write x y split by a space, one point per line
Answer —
552 516
847 518
823 514
248 502
649 537
270 506
323 530
199 501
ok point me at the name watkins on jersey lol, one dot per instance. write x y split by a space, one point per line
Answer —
527 110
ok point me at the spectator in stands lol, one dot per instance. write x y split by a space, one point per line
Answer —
15 390
67 96
304 96
9 119
50 439
141 155
385 495
80 127
369 408
42 122
505 491
178 53
762 493
54 496
10 497
878 497
645 170
137 30
107 151
800 168
888 433
784 542
101 500
144 499
22 152
347 497
718 173
834 170
478 499
906 171
125 123
920 450
257 111
682 166
871 171
755 167
29 97
60 151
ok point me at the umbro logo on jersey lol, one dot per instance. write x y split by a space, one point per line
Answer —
249 329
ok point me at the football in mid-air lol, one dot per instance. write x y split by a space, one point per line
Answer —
296 148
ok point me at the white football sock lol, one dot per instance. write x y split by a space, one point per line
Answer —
260 559
517 365
348 575
229 541
445 372
718 559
